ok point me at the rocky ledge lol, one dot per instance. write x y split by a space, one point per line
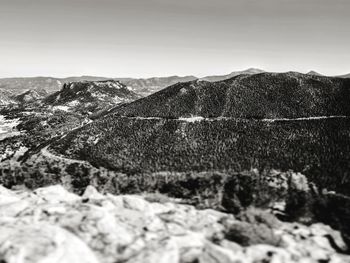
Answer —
52 225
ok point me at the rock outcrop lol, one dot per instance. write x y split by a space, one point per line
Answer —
53 225
90 96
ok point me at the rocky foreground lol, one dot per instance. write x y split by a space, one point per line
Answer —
52 225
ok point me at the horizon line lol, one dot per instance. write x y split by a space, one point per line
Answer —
164 76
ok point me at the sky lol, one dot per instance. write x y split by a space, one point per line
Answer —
148 38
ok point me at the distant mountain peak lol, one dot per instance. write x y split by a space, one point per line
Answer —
314 73
249 71
254 70
344 76
148 86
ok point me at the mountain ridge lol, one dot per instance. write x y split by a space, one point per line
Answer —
264 95
312 72
249 71
142 86
345 76
90 95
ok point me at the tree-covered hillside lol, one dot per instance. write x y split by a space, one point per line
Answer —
318 148
265 95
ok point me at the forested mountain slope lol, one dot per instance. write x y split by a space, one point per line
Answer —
318 148
265 95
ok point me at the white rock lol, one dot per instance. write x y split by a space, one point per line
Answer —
267 253
135 203
92 193
42 243
54 225
55 194
213 254
14 208
7 196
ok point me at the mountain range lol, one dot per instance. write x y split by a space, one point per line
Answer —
142 86
49 84
235 124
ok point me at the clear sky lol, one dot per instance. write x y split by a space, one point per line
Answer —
144 38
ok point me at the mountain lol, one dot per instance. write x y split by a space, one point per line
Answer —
314 73
90 95
31 96
345 76
138 146
148 86
265 95
249 71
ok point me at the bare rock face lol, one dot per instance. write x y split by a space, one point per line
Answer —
52 225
